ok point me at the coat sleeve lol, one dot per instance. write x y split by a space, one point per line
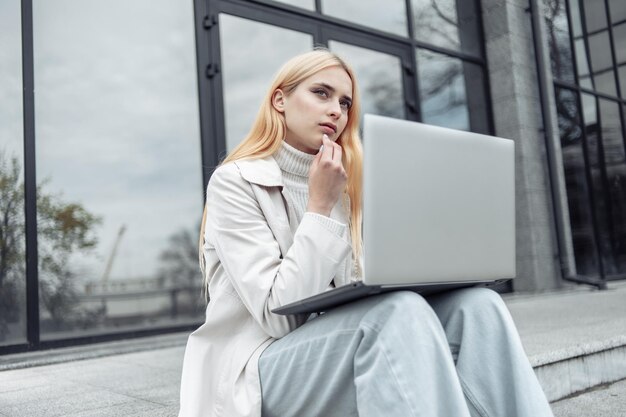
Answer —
263 277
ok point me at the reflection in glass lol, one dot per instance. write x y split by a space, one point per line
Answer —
619 37
447 23
597 180
602 157
555 15
578 190
615 188
582 64
452 92
252 53
12 238
304 4
605 82
600 52
385 15
118 162
598 55
379 76
618 10
595 15
611 133
574 9
442 90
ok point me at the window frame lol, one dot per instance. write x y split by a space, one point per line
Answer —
211 111
618 99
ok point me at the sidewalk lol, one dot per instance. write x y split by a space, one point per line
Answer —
576 340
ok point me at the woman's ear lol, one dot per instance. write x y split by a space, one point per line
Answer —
278 100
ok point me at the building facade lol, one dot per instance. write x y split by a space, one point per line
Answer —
115 113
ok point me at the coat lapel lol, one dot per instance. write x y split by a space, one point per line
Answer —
267 184
266 180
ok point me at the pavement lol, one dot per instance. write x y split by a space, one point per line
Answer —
605 400
575 339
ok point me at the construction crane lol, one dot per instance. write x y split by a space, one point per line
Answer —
109 264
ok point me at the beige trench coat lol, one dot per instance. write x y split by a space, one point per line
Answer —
256 261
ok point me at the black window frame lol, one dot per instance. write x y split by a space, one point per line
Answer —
211 111
575 87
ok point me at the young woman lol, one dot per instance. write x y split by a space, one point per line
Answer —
282 222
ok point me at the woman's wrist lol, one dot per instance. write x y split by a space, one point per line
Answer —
319 210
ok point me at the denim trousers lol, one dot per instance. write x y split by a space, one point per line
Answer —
454 354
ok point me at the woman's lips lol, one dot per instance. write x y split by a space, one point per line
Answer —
328 129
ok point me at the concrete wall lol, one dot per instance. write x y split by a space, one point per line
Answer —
517 115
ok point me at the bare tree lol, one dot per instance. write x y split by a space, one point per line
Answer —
180 270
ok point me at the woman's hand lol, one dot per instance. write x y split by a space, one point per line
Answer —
327 178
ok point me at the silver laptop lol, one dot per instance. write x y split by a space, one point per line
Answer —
438 212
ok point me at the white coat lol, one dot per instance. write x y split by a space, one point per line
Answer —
255 261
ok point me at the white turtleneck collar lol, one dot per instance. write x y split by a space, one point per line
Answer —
293 161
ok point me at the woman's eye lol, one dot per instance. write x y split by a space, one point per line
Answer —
345 104
321 93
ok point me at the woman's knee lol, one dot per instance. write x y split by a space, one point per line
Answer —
402 301
480 296
400 307
480 305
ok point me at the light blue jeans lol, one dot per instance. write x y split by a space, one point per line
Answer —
455 354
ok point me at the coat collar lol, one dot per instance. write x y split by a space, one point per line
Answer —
263 171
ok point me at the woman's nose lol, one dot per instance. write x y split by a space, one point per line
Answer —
334 109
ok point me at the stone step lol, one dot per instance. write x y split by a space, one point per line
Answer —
575 339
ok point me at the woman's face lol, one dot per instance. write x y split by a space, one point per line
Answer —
318 106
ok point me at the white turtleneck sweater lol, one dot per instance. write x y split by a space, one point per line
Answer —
294 166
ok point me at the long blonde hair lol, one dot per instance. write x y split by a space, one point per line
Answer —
269 128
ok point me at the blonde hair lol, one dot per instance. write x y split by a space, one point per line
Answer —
269 128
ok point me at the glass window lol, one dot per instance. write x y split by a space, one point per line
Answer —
600 52
619 37
605 82
448 23
602 158
578 190
617 186
612 136
445 84
615 192
594 129
370 13
252 53
582 64
618 10
595 15
602 63
119 165
379 76
574 9
475 89
12 239
558 36
304 4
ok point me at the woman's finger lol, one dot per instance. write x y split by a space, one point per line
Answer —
337 153
328 148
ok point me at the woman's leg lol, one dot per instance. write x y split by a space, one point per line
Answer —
381 356
493 369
